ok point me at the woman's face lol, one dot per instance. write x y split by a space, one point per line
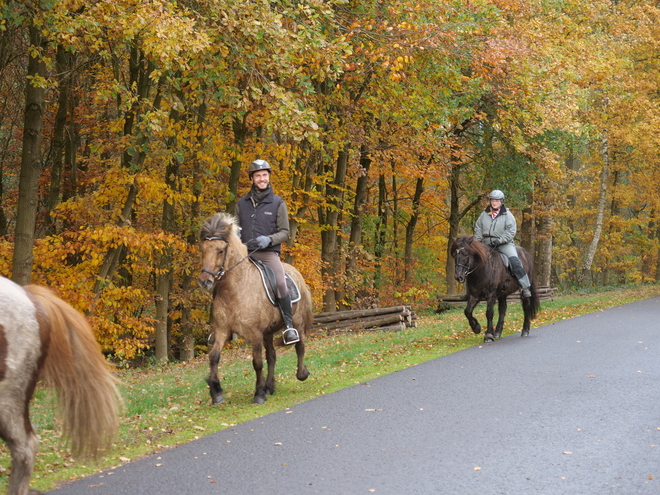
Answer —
495 204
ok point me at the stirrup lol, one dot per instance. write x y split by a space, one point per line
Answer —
525 293
290 336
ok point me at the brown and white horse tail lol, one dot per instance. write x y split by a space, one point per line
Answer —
87 393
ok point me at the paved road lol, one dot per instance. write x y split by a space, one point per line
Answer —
573 409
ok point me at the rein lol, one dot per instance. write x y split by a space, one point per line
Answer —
221 272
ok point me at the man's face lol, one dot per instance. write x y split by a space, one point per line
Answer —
495 204
261 179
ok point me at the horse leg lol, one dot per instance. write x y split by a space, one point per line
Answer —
271 359
527 309
23 444
302 372
501 309
258 364
215 388
490 312
474 324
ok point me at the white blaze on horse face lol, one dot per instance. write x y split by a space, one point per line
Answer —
18 317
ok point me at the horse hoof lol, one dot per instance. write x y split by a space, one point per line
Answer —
259 399
302 376
488 338
217 400
525 333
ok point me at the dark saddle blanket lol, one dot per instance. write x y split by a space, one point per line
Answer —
270 283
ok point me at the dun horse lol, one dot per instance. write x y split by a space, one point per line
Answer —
487 278
42 336
241 305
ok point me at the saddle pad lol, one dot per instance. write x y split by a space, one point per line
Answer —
270 284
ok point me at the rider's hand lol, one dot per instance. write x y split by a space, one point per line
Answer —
263 241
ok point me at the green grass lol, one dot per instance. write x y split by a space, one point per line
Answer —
169 405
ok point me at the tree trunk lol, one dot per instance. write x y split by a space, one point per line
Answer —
355 240
527 226
602 200
380 233
28 187
240 132
304 174
189 281
454 220
63 64
545 252
164 274
410 231
331 270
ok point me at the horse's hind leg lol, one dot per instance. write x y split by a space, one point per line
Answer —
271 359
501 309
490 312
23 443
258 364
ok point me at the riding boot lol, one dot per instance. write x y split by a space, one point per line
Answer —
290 334
521 275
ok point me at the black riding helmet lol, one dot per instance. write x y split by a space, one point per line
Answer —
258 165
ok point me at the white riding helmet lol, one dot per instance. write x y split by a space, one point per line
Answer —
496 194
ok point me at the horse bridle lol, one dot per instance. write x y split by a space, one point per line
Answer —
221 272
467 268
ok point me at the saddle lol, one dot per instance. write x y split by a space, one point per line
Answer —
505 260
270 282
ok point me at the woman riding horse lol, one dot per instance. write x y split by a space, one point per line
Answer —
496 227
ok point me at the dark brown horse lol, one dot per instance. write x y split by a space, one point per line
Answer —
488 279
241 305
41 336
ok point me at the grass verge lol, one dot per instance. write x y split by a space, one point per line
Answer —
169 405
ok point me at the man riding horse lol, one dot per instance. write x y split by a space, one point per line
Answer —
264 222
496 227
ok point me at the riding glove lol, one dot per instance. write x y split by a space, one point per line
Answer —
263 241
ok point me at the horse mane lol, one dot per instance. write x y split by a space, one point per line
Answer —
223 226
476 248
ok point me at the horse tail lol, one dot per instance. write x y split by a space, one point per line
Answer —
87 393
535 300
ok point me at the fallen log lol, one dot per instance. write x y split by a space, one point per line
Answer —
361 323
357 313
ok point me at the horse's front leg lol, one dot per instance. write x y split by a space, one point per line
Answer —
501 309
302 372
474 324
490 312
271 359
258 364
215 388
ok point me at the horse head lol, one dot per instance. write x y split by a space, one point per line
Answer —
460 251
220 247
